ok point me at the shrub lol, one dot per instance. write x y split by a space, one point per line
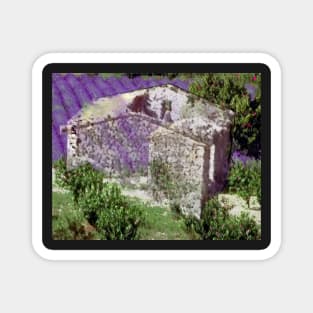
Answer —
71 225
245 178
79 181
217 224
60 172
240 93
120 222
94 201
115 216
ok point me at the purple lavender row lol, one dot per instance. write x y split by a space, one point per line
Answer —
82 93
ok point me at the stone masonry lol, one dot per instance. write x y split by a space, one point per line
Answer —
180 141
187 169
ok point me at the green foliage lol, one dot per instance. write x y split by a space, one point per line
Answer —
228 91
120 222
95 201
109 75
245 179
157 223
61 201
91 203
70 225
79 181
102 204
217 224
162 224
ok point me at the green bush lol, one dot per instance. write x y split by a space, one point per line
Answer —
120 222
71 225
245 179
91 203
231 91
217 224
94 201
115 216
79 181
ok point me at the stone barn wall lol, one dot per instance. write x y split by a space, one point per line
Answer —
178 171
116 146
194 154
215 133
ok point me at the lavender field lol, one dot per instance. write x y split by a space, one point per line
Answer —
70 92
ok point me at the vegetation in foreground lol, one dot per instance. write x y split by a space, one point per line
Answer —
93 210
244 179
217 224
157 223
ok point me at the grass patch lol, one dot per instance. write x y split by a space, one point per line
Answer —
69 223
61 201
159 223
162 224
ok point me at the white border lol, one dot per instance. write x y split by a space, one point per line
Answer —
42 61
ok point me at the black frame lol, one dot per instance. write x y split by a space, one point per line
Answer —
156 244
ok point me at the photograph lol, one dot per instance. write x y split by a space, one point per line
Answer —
156 156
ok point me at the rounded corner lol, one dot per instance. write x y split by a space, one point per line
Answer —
270 62
42 62
41 250
271 250
42 246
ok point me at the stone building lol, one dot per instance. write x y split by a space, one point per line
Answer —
180 141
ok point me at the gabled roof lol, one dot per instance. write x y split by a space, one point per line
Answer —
196 117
